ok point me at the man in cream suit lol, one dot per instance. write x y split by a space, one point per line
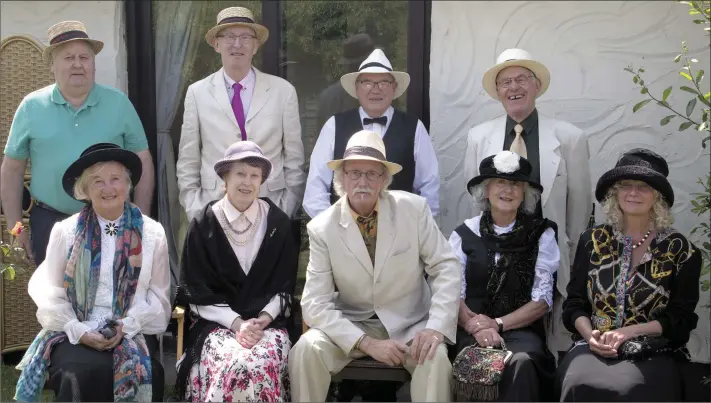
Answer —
557 150
265 112
366 293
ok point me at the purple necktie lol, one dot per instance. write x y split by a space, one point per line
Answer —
238 109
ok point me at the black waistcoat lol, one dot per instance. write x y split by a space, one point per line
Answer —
399 142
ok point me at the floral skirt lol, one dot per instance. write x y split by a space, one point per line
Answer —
228 372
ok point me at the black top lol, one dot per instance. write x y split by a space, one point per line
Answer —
531 138
399 142
212 275
663 287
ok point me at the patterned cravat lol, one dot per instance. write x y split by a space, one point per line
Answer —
518 145
368 227
238 109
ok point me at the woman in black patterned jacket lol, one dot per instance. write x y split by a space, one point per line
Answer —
633 290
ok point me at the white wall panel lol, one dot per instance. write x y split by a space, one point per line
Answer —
585 45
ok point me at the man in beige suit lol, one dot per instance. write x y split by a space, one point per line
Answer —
266 111
366 293
557 151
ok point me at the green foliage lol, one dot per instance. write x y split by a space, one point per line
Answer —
691 117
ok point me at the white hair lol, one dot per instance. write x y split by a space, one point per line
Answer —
531 196
82 183
338 181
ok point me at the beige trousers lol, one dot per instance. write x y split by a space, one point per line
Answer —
314 358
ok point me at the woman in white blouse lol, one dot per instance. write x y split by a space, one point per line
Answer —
238 274
103 288
509 258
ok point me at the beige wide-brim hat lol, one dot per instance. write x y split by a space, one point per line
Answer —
365 145
233 17
68 31
515 57
376 63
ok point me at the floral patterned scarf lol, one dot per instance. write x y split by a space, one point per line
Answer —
132 364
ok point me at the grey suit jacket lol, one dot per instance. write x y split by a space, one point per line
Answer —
343 286
210 126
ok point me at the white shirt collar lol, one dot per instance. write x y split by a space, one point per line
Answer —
247 82
233 214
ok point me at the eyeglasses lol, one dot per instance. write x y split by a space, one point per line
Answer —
372 176
520 80
243 39
383 85
640 187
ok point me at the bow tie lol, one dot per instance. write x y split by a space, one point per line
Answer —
383 120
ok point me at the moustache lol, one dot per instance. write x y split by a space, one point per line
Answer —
361 189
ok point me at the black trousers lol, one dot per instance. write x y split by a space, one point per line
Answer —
42 219
78 373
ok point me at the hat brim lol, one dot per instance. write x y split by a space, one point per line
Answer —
220 165
348 81
647 175
126 158
541 72
481 178
392 167
95 45
260 30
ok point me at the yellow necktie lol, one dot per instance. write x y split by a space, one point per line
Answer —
518 145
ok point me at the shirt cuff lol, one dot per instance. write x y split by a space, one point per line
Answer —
75 329
273 308
131 327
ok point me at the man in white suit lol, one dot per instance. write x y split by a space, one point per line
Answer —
266 111
366 293
557 151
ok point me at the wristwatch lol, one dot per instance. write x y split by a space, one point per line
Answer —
501 325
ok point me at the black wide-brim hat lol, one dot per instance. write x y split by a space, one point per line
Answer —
506 165
642 165
101 152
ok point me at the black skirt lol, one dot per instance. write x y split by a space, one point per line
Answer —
585 376
78 373
529 374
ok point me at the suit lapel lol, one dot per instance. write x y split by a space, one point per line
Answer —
495 140
260 95
386 235
351 237
549 158
218 90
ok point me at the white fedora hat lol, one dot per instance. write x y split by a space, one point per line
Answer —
365 145
376 63
515 57
236 16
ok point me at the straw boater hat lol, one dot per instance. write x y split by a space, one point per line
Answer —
234 17
376 63
365 146
68 31
102 152
642 165
515 57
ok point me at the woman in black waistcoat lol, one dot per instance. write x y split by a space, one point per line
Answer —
509 258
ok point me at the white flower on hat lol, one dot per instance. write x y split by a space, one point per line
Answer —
507 162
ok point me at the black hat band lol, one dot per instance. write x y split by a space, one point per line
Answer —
69 35
230 20
364 151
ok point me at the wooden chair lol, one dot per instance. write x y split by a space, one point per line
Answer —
22 71
368 369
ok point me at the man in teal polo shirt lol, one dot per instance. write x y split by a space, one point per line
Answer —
53 125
